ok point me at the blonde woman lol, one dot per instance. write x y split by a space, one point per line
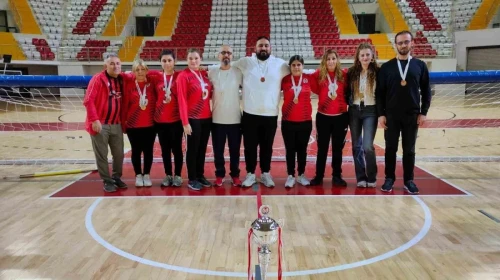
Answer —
332 118
360 94
139 102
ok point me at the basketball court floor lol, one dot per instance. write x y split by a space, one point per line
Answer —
66 227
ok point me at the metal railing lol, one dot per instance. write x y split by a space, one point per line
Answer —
391 20
17 16
491 13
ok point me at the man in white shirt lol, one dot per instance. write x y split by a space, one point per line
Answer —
262 75
226 116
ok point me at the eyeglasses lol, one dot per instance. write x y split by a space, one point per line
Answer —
224 53
407 42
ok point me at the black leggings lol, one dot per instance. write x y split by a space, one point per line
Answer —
296 137
142 141
170 137
334 128
197 147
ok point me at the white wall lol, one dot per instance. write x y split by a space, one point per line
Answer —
474 38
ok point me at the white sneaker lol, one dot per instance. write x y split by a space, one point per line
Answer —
139 181
290 181
267 180
303 180
361 184
249 180
147 180
371 185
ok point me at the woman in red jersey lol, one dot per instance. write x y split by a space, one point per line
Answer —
167 120
194 91
296 121
332 118
138 111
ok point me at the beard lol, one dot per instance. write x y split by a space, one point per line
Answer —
226 61
263 55
404 51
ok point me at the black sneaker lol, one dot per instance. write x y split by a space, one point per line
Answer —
204 182
109 187
119 183
338 181
410 187
387 186
316 181
195 185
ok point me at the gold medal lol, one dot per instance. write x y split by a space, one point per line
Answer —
296 100
403 83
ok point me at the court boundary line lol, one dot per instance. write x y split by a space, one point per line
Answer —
78 178
269 196
446 181
417 238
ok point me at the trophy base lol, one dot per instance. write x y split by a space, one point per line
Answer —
257 272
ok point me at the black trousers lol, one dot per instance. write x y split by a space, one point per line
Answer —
406 125
231 132
334 128
170 137
142 141
296 137
197 147
258 131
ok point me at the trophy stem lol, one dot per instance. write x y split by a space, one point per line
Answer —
264 260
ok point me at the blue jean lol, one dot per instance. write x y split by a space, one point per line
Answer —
363 126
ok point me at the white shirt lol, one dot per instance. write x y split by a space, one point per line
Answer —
369 99
262 98
226 98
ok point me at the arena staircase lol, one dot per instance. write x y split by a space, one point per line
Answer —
393 16
344 17
130 48
119 18
168 18
23 16
383 46
484 15
10 46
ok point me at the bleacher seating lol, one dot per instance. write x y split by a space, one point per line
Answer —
258 23
228 25
290 29
72 29
192 26
89 16
49 16
150 3
464 10
38 48
431 19
361 1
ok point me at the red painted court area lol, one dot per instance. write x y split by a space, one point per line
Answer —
91 185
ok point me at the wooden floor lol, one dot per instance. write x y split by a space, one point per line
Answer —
325 237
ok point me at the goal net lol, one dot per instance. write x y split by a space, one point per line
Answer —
42 124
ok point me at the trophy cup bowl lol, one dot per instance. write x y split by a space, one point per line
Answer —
265 232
